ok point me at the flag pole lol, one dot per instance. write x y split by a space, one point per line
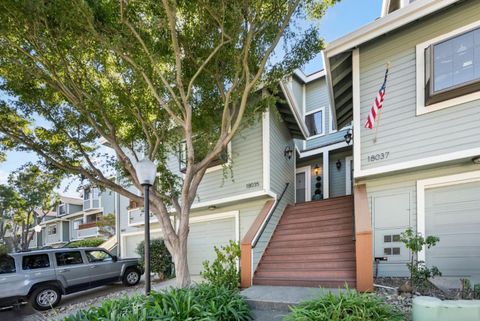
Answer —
377 123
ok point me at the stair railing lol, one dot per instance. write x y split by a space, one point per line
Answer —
267 220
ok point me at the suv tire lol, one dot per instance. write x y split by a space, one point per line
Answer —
45 297
131 277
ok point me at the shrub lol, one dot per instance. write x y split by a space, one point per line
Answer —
3 249
224 269
419 272
348 306
94 242
160 258
202 302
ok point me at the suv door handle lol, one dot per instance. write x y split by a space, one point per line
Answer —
93 267
63 270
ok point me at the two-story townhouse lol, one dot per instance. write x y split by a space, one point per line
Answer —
270 194
76 218
420 167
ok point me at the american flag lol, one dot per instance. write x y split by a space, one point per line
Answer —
377 105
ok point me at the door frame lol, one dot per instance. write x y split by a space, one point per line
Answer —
422 185
348 175
308 184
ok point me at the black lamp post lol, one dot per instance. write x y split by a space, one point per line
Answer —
146 172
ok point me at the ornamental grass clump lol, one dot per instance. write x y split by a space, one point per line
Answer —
203 302
348 306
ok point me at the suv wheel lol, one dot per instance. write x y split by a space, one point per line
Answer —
131 277
45 297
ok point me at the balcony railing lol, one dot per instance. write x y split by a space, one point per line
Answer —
87 230
91 204
135 216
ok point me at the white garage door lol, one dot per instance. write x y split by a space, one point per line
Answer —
131 242
203 237
453 214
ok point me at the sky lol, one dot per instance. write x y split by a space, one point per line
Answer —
343 18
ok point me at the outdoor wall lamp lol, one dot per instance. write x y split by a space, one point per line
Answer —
339 164
146 173
476 160
316 169
348 136
288 152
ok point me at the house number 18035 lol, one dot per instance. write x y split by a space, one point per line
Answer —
378 157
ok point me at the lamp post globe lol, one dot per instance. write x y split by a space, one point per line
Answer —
146 173
37 228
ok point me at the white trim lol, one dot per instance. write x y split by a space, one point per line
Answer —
331 129
441 181
266 149
320 109
308 183
233 198
348 175
390 22
321 150
326 174
420 86
311 77
417 162
356 112
294 108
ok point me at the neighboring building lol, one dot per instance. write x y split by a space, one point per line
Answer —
423 169
76 218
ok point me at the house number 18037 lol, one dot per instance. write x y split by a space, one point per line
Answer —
378 157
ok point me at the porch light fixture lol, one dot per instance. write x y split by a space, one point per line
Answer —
339 164
288 152
476 160
146 173
348 136
316 169
37 228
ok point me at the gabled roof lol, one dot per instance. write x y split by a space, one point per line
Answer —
290 113
338 54
71 200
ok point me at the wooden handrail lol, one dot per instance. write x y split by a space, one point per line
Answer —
246 246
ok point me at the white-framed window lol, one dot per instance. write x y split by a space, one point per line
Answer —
62 209
76 223
222 159
448 69
51 229
315 122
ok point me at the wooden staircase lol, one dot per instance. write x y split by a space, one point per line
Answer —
313 245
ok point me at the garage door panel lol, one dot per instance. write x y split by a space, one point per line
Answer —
202 239
453 214
131 242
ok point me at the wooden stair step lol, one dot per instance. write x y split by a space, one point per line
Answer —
313 242
341 199
306 282
306 265
312 236
314 218
347 255
319 208
348 247
319 224
336 273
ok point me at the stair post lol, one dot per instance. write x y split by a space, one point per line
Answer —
363 240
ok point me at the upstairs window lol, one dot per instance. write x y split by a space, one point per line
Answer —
51 229
62 209
218 161
452 67
315 122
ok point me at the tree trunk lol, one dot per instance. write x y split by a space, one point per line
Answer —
182 273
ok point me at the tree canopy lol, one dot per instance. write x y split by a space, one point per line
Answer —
141 77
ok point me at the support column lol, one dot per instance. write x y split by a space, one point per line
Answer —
363 240
326 174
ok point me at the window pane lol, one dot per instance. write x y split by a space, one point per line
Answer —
314 123
69 258
98 256
456 61
7 264
32 262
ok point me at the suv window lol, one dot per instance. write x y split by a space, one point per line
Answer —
7 264
98 256
68 258
37 261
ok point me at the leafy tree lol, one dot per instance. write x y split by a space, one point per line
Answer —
106 224
8 201
143 77
35 197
